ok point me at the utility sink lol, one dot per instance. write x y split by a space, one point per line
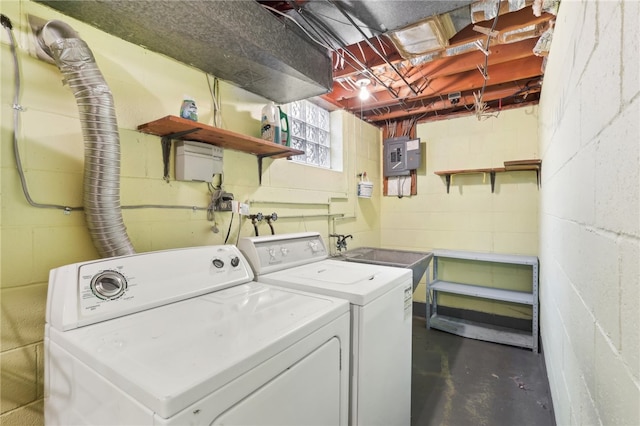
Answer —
417 261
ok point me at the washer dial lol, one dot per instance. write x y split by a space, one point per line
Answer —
108 285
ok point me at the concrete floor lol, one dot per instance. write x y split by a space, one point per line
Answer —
459 381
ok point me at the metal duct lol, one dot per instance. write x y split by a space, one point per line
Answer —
237 41
101 139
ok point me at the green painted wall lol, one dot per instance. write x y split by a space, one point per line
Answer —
145 87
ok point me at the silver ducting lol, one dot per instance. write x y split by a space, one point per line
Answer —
236 41
101 139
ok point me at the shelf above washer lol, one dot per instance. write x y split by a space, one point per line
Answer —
173 127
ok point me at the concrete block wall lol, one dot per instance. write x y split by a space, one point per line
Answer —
590 213
145 87
470 217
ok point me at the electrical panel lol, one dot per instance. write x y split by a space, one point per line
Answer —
401 155
197 161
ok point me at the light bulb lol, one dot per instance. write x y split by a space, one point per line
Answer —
364 93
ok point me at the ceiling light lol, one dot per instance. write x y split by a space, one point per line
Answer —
362 84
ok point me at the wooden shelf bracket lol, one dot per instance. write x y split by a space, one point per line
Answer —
166 141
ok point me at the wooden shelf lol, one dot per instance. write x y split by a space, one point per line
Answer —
509 166
173 127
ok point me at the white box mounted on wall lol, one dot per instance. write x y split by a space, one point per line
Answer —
197 161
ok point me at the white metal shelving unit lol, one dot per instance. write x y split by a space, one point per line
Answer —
477 330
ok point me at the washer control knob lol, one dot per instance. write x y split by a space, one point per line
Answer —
108 285
272 253
235 261
218 263
313 245
284 251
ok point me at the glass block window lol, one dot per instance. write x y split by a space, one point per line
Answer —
310 133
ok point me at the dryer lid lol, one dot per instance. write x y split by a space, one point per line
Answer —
171 356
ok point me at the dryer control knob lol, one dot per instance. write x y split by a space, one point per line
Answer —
218 263
235 261
108 285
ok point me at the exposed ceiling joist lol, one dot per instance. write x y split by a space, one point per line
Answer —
403 88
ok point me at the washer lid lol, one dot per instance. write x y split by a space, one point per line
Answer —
171 356
357 282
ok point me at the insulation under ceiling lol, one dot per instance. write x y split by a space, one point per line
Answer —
237 41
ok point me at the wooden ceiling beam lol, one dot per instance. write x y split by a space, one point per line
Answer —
512 66
447 67
519 69
468 61
506 23
491 93
456 114
370 59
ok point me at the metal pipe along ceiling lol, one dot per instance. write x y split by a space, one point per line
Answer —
101 139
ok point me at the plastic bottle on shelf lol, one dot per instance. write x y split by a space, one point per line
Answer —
284 128
270 123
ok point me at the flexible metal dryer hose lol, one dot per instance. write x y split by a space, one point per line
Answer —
101 139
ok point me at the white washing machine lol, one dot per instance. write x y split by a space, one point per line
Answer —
381 309
186 337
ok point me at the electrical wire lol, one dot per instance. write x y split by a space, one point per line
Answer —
229 230
348 24
401 184
214 91
239 229
284 15
17 109
341 46
327 45
375 50
482 107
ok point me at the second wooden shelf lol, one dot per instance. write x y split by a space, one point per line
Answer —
517 165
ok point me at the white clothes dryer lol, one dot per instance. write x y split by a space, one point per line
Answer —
185 336
381 309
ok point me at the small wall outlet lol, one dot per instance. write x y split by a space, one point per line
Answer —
224 203
240 208
224 206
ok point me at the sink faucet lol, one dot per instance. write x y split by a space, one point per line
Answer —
341 243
